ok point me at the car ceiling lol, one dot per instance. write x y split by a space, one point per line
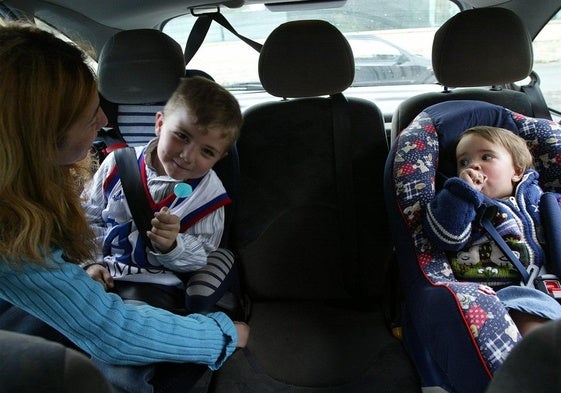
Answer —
105 17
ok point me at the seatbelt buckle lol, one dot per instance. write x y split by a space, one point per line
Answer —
533 273
549 284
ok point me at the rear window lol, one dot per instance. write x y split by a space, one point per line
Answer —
392 46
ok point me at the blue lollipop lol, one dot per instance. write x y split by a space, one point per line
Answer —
181 190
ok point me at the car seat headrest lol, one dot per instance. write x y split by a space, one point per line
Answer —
482 47
304 59
139 67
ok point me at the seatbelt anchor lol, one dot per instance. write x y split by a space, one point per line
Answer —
549 284
533 274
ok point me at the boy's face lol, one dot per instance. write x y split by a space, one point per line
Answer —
184 152
487 166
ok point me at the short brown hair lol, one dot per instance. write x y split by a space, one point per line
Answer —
211 104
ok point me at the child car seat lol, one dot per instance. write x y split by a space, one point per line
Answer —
458 333
138 71
533 366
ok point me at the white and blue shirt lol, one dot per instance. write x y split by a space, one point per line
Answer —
123 251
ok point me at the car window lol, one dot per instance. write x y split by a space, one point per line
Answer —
392 46
368 49
547 62
84 45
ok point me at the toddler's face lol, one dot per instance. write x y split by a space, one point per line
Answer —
185 151
486 166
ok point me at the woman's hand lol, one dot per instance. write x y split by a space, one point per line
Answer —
243 333
100 274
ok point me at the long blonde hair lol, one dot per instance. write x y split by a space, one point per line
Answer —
46 86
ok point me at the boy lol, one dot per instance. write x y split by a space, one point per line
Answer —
197 127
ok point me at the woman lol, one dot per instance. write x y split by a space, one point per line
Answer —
49 117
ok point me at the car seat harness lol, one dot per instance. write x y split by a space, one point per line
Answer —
545 282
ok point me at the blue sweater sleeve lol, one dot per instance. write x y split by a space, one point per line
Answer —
448 219
101 324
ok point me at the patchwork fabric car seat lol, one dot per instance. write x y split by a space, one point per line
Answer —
458 333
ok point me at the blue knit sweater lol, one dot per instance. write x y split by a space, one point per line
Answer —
65 297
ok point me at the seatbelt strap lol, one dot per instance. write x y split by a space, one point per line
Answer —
129 173
196 37
200 29
484 216
533 91
344 182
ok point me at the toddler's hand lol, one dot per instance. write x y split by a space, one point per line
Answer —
474 178
165 227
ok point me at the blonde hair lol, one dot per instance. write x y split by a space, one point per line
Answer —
211 104
46 86
517 147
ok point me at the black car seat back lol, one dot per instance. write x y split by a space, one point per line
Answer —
35 364
311 230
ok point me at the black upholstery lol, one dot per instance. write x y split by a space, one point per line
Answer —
140 67
533 365
482 47
138 71
290 69
474 54
32 364
316 316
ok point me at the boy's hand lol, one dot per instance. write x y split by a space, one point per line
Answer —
165 227
100 274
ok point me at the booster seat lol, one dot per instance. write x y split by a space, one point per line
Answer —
458 333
